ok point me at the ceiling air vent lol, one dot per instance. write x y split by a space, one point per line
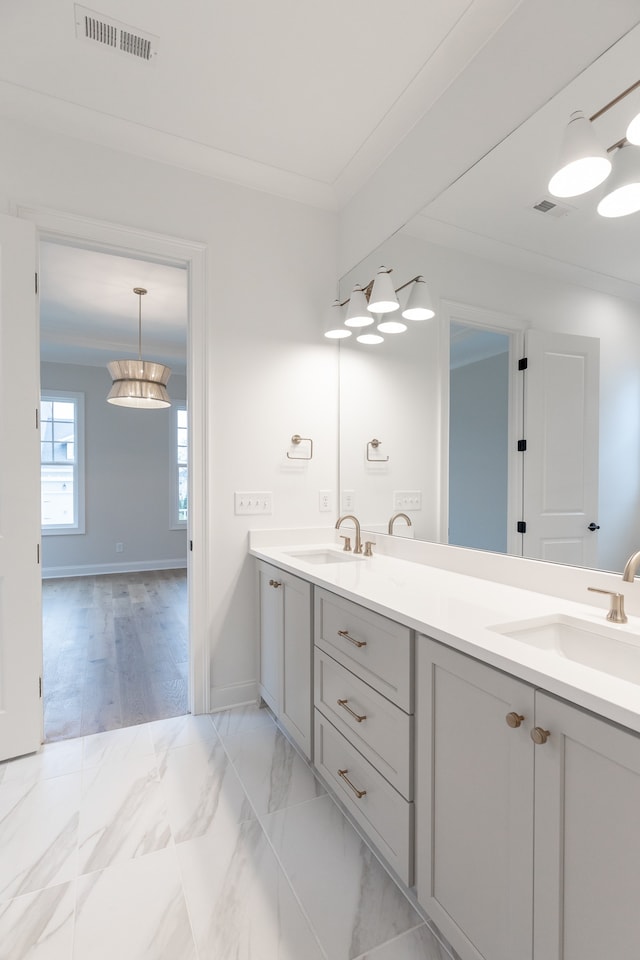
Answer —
121 37
552 208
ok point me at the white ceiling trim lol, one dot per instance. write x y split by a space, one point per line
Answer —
60 117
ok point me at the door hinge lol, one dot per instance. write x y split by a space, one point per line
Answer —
523 363
40 687
37 418
522 446
36 284
522 526
37 553
190 544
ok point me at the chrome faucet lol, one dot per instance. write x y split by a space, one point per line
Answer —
630 567
395 517
350 516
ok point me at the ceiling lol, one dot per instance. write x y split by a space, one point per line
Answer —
310 100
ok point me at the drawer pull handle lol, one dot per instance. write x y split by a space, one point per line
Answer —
274 583
356 643
343 704
514 719
358 793
539 736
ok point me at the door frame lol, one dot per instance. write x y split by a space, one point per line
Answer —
133 242
514 327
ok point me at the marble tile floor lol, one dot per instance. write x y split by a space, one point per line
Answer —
192 838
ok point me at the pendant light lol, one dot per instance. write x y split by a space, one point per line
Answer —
334 328
383 297
623 189
584 163
419 306
139 383
358 312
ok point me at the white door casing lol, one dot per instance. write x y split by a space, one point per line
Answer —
562 395
20 584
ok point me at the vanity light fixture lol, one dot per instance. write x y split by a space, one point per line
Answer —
357 312
633 131
370 338
391 326
334 328
584 163
623 189
419 306
383 297
139 383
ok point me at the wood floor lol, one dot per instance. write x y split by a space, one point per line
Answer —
115 651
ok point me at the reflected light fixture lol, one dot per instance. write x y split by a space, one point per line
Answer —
370 338
391 326
139 383
584 163
358 312
334 328
622 195
383 297
419 306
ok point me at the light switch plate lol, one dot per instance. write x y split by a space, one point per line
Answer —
407 500
251 503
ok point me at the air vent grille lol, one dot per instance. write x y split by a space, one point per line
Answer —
544 206
552 208
121 37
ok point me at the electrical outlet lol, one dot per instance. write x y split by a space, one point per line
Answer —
407 500
325 504
250 503
119 547
348 501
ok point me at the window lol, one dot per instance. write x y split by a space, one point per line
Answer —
180 485
62 462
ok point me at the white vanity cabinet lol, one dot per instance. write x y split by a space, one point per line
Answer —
364 722
504 824
285 612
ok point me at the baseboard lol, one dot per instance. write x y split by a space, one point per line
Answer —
95 569
235 695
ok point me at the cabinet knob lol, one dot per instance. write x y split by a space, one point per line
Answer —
514 719
538 735
274 583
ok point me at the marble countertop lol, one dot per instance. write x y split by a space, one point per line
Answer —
460 610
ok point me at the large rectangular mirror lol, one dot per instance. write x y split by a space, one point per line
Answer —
431 420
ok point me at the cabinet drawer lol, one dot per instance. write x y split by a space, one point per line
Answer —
385 816
370 645
383 734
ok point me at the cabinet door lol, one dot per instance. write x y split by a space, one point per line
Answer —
587 837
296 698
271 624
474 804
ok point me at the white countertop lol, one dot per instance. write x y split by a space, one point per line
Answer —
458 610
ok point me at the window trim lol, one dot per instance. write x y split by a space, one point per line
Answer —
79 466
174 522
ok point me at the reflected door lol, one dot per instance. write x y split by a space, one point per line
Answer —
562 397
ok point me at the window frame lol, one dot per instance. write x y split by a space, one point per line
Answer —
174 522
78 527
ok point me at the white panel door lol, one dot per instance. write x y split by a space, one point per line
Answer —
562 391
20 586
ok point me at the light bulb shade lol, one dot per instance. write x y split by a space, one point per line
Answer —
391 326
623 189
419 306
357 313
383 297
334 328
584 163
370 338
139 383
633 131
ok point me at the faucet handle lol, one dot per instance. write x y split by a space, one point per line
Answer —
616 605
347 542
368 552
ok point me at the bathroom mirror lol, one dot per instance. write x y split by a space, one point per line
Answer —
511 276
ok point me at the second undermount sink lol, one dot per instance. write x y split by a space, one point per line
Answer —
599 646
323 555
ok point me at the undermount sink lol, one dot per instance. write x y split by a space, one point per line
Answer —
600 647
323 556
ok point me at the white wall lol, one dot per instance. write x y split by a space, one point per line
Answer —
271 267
127 481
547 304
